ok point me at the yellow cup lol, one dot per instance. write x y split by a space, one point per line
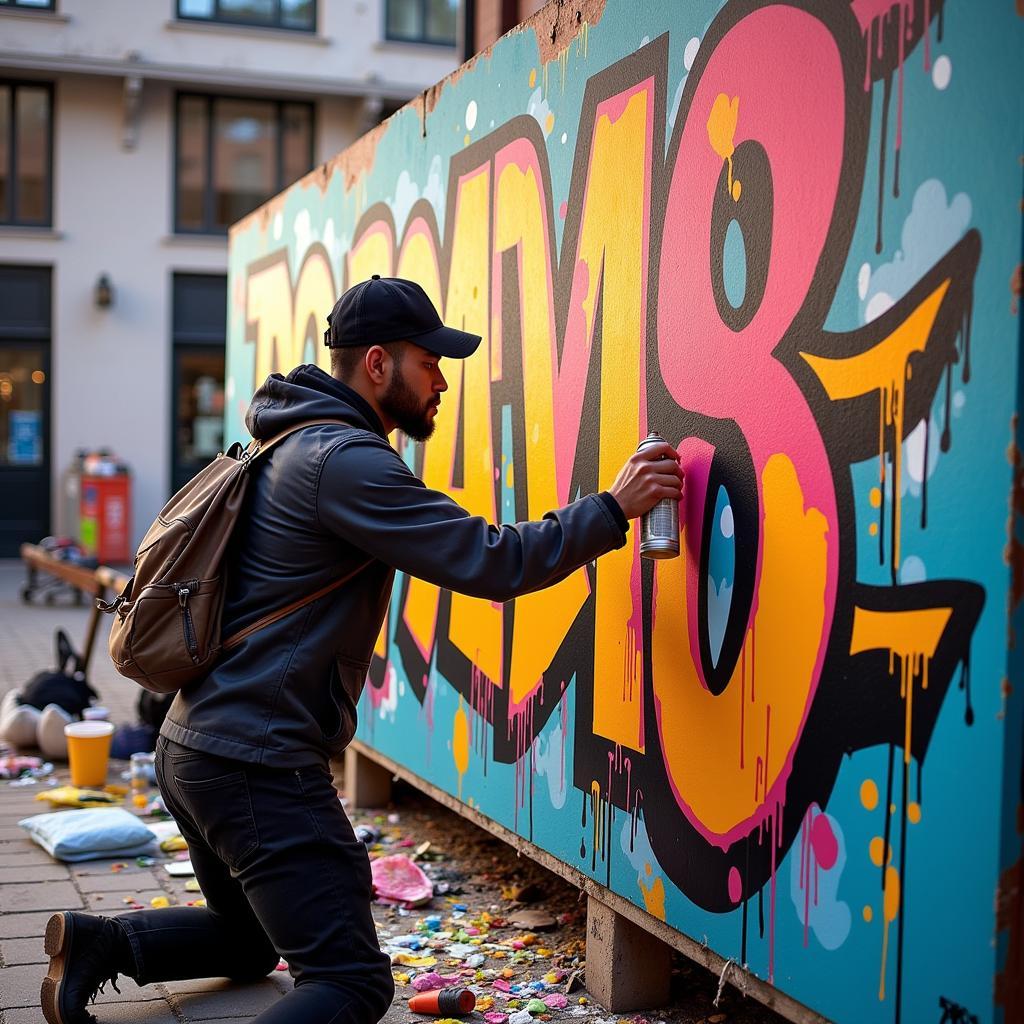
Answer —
89 752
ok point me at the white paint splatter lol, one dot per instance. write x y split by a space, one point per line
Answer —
690 52
913 570
863 280
942 72
727 523
879 303
303 232
471 115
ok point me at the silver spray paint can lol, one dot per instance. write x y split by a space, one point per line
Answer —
659 528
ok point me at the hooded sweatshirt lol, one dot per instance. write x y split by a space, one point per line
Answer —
336 500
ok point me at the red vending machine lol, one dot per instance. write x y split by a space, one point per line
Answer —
105 521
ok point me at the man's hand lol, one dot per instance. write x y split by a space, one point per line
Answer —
646 478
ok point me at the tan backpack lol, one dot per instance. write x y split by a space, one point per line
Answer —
167 627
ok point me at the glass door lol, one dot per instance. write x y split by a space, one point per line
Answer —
24 407
24 455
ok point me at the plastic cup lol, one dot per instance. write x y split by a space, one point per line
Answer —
89 752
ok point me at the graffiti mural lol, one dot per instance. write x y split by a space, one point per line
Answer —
778 264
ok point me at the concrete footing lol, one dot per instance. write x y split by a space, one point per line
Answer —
627 967
367 784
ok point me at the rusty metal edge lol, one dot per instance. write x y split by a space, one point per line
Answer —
740 978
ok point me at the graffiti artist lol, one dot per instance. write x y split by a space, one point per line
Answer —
242 760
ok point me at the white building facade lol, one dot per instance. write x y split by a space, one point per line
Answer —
132 133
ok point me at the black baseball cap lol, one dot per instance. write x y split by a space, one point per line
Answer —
387 309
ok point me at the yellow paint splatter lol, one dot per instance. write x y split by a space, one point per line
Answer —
913 812
868 914
460 743
875 497
877 849
722 133
869 794
737 189
465 139
654 894
597 814
549 123
873 529
508 475
533 77
890 908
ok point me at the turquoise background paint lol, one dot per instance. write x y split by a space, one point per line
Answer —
968 137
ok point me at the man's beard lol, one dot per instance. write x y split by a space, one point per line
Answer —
410 414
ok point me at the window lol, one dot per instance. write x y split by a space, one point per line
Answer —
199 316
29 5
26 142
234 154
421 21
296 15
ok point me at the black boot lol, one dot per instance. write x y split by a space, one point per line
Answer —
85 953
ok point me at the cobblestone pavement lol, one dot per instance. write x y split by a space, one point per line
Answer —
33 885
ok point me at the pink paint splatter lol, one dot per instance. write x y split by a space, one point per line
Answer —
819 848
824 842
563 209
520 731
735 885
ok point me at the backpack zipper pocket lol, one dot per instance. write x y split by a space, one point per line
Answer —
184 591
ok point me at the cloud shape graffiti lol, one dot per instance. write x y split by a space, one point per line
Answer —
814 894
538 108
407 192
931 229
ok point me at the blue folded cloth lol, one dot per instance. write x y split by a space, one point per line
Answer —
92 833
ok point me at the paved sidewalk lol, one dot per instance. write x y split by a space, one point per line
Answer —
33 884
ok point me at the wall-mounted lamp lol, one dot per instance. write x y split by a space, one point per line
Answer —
103 293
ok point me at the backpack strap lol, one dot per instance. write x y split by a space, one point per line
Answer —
243 634
255 449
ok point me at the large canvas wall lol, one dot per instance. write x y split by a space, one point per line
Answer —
788 237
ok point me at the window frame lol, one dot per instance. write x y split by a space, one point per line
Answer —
12 155
209 99
20 5
183 341
217 18
421 40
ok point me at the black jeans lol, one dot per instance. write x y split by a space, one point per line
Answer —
282 873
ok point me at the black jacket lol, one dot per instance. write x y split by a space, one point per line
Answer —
328 500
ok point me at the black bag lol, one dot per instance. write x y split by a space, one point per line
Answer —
66 687
152 708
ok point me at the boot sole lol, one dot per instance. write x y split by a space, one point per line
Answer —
55 943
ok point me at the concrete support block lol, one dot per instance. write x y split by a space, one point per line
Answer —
627 967
367 784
